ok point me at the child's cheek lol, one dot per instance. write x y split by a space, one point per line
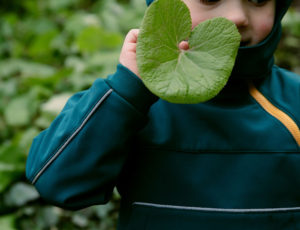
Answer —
264 28
197 18
196 22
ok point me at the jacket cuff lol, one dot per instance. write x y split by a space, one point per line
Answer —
131 88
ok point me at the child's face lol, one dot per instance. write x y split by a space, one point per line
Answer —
253 18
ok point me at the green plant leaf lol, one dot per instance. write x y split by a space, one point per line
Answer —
8 222
20 194
57 5
20 111
190 76
93 38
24 68
41 45
55 104
11 164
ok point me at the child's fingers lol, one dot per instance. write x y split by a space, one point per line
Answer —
132 36
128 52
131 40
184 45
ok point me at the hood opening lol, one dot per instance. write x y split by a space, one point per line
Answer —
256 61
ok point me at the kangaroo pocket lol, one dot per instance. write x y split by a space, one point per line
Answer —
147 216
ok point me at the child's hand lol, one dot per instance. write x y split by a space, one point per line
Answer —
128 52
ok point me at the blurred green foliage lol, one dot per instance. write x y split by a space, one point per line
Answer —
48 50
288 52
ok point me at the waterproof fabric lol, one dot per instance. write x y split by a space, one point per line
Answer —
223 164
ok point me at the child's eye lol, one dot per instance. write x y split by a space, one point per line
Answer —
209 2
259 2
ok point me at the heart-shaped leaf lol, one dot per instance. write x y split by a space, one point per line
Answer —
185 76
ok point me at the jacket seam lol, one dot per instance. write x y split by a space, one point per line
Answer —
219 151
128 102
220 210
70 138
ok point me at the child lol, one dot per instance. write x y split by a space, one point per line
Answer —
230 163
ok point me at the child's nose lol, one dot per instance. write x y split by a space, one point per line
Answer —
238 15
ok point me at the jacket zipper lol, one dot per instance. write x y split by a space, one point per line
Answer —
285 119
224 210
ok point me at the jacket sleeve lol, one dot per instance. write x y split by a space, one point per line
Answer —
76 161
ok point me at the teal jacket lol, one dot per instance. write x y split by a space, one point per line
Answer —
230 163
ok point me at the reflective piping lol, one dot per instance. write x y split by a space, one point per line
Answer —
286 120
224 210
72 136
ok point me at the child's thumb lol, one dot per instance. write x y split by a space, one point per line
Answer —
132 36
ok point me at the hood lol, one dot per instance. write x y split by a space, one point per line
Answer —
256 61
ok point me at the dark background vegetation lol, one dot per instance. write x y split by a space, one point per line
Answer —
50 49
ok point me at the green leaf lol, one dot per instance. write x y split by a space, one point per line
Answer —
94 38
78 21
48 217
291 23
12 165
88 40
80 220
55 104
26 138
102 211
24 68
8 88
49 81
8 222
20 194
20 110
106 62
41 46
190 76
57 5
